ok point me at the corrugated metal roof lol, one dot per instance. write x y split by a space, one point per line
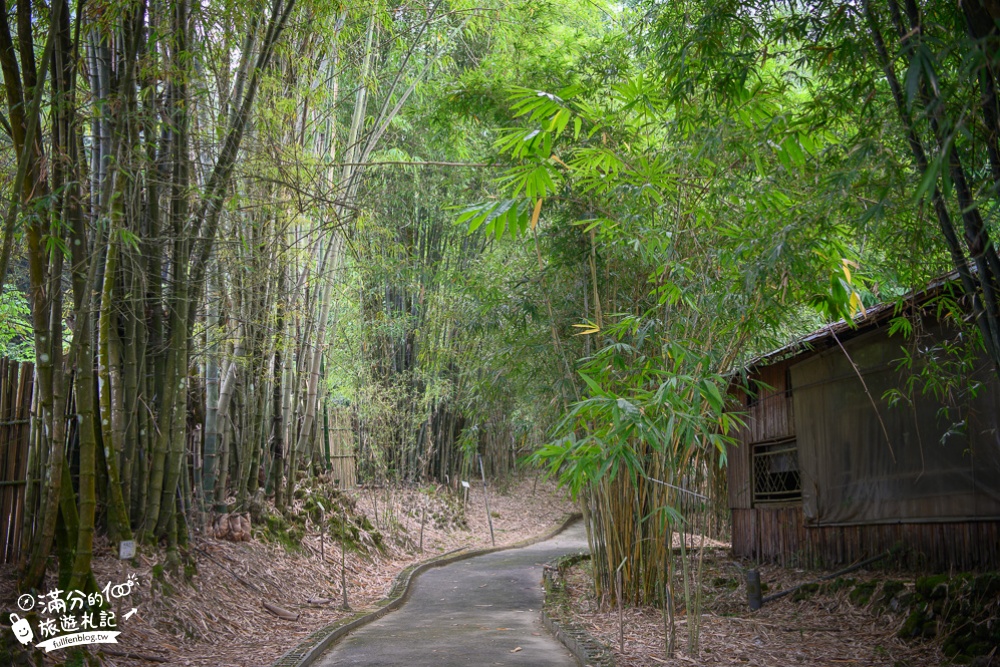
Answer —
862 322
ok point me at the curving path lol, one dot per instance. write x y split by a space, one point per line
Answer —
480 611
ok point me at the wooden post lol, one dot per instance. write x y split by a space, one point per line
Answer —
126 550
754 590
486 498
326 435
423 513
343 560
198 487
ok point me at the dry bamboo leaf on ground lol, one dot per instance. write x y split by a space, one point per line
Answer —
206 621
825 629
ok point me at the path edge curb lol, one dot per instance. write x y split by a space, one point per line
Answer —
311 648
588 651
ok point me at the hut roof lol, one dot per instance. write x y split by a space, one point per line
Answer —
827 335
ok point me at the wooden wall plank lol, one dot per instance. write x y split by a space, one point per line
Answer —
15 408
24 397
8 453
7 447
779 535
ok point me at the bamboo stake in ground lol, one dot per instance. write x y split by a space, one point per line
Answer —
486 498
668 617
343 551
423 513
621 612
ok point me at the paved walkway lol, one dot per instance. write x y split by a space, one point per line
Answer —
480 611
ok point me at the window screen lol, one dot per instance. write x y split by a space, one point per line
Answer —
776 476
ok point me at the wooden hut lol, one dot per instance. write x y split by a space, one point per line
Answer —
828 471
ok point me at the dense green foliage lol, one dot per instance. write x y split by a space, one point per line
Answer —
754 165
15 327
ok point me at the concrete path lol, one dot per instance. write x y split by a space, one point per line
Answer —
480 611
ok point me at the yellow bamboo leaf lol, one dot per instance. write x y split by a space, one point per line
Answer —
857 305
555 158
536 213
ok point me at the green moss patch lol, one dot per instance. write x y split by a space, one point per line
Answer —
861 594
933 587
806 592
960 611
840 584
286 532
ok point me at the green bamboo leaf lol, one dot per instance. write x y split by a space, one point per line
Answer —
912 81
596 388
710 392
928 180
791 145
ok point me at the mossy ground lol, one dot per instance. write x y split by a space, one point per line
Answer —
318 508
962 611
958 612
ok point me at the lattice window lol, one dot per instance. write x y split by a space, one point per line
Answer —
776 476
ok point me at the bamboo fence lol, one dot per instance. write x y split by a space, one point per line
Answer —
15 409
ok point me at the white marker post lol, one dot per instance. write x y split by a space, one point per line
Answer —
126 551
465 504
486 498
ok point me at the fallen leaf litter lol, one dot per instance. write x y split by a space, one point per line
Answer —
218 617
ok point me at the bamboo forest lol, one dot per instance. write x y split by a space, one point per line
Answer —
693 307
